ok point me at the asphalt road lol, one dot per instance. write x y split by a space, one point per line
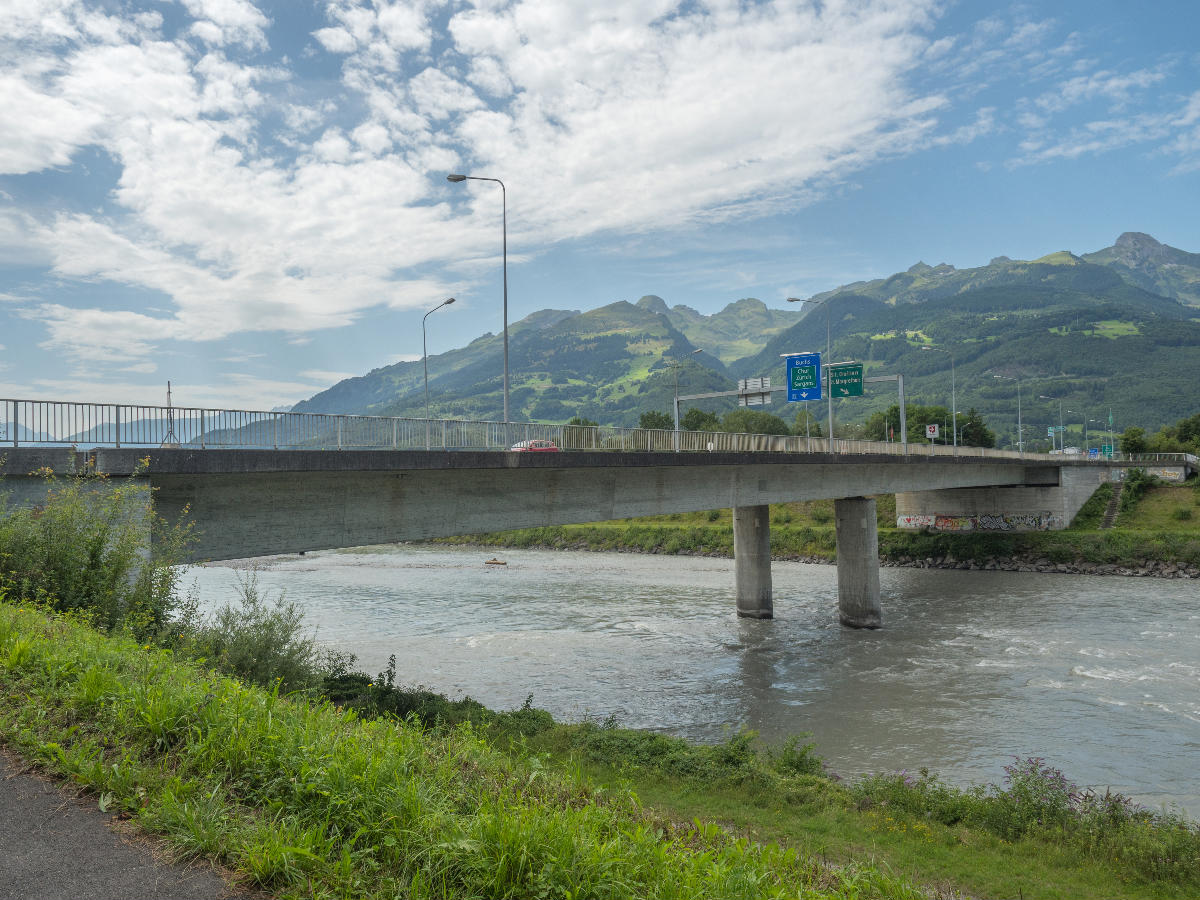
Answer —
55 844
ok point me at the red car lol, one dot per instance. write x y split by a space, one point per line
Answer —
535 447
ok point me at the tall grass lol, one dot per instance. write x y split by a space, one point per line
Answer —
87 549
309 800
1038 800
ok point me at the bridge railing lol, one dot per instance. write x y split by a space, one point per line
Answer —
56 423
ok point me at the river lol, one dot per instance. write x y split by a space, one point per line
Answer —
1099 675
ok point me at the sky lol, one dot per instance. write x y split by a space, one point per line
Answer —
250 199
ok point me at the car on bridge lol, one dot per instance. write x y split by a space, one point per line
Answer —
536 446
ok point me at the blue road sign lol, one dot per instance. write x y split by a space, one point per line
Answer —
804 377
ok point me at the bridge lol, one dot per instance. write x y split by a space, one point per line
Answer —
300 492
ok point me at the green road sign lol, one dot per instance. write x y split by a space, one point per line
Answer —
1107 449
846 381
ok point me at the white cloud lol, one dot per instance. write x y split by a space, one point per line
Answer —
328 378
229 22
250 200
336 40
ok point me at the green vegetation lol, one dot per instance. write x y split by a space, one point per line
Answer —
85 550
1060 324
1148 530
307 799
1182 437
356 786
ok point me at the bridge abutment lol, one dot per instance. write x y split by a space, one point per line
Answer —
752 561
857 562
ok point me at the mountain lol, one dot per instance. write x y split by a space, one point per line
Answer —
1143 261
737 331
1069 329
1109 329
608 364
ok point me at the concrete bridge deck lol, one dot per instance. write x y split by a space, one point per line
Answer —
260 502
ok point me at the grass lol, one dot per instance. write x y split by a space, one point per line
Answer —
305 797
308 799
1159 510
353 786
1151 529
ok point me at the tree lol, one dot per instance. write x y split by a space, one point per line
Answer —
753 421
1133 440
699 420
885 426
807 424
975 433
656 419
580 420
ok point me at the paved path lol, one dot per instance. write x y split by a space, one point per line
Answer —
54 844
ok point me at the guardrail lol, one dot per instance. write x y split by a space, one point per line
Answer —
56 423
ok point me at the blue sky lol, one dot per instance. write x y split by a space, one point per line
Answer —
250 199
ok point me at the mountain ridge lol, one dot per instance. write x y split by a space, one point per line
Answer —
1059 320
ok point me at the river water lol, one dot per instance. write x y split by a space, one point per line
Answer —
1099 675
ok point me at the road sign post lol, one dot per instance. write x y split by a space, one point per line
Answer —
803 377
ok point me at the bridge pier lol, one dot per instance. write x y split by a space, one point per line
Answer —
752 561
857 562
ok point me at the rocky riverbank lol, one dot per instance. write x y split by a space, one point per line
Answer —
1137 568
1144 568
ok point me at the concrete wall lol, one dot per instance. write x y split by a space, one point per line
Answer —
1001 508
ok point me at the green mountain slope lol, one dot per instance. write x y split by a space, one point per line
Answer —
609 364
1119 347
1101 331
737 331
1143 261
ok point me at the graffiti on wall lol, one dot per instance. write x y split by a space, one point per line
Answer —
1175 474
988 522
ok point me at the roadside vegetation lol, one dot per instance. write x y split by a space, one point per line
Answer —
239 738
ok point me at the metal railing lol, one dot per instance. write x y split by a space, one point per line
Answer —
57 423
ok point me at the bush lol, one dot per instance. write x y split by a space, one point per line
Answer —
258 639
1037 800
87 551
1137 484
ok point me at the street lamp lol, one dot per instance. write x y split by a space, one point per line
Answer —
828 356
425 362
504 213
953 393
1060 419
675 366
1020 432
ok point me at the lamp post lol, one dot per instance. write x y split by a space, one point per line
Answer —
828 356
425 362
456 179
675 366
1020 432
1060 418
953 393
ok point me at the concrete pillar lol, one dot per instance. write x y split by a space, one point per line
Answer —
857 562
752 561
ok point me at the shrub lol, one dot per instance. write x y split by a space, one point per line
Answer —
1182 514
258 639
87 551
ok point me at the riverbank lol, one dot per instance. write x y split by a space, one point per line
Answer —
1158 538
304 797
